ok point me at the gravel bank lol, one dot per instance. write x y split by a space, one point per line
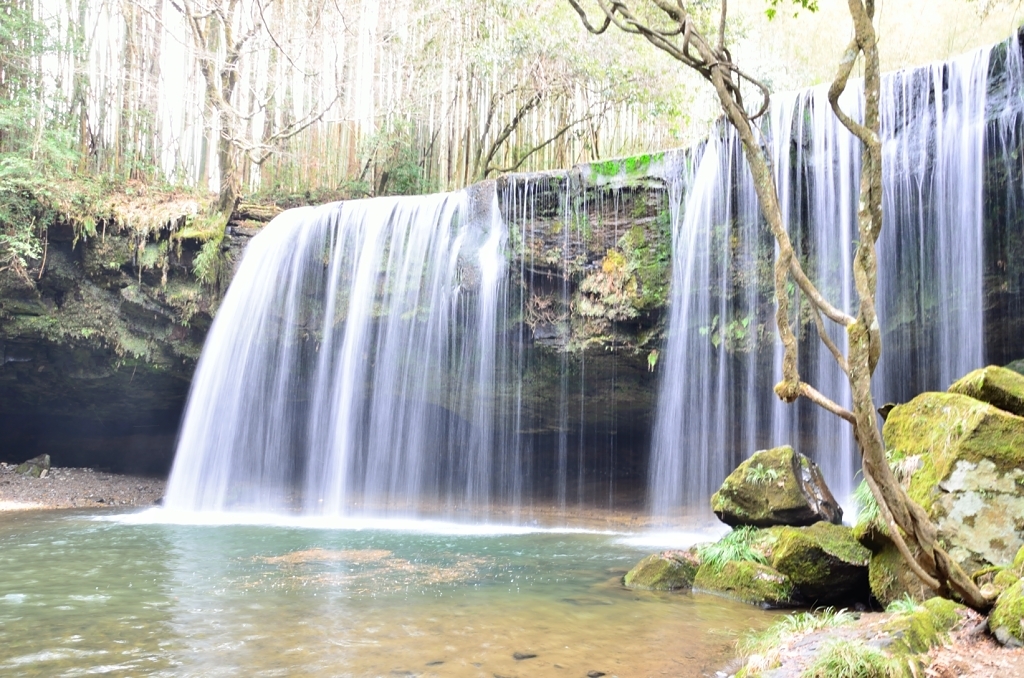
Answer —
75 488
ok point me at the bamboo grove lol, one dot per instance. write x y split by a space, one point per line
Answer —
351 97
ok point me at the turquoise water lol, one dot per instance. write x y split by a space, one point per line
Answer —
87 594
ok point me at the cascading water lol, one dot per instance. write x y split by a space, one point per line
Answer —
383 356
353 361
715 405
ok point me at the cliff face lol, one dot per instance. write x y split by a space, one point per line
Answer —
99 338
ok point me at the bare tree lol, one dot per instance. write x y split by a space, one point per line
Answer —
673 27
221 31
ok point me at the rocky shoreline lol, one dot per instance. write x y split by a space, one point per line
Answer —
63 488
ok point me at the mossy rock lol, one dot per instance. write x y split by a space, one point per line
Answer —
776 487
996 386
1018 561
824 561
967 462
891 578
870 534
1017 366
667 571
927 626
34 467
746 581
1003 579
1006 621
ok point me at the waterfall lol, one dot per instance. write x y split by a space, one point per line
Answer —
494 349
354 362
715 402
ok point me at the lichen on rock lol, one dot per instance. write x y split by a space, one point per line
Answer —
968 460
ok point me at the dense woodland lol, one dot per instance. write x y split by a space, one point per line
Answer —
310 100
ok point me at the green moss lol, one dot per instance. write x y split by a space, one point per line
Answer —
890 578
1006 620
997 386
632 166
748 582
943 428
824 561
663 572
1005 578
1018 560
924 627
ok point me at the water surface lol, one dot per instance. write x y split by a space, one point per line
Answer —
84 594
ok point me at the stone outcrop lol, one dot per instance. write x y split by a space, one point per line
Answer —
824 562
99 339
965 463
997 386
776 487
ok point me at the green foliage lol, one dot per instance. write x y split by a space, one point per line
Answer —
762 475
905 604
737 545
844 658
394 157
867 506
208 265
773 6
791 625
38 182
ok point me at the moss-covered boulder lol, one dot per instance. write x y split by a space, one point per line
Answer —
824 562
996 386
746 581
776 487
1006 621
919 630
36 467
1017 366
666 571
966 464
890 578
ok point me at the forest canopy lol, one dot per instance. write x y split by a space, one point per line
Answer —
326 99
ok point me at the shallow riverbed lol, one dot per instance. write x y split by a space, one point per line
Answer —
137 594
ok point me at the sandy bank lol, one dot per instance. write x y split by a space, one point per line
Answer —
75 488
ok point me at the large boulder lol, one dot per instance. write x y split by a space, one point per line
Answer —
37 467
666 571
747 581
776 487
996 386
824 562
1017 366
966 464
